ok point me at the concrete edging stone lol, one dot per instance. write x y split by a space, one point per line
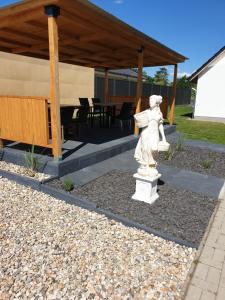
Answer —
30 182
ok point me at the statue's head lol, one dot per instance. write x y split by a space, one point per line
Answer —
159 100
155 100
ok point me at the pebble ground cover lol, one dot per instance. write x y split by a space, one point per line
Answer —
53 250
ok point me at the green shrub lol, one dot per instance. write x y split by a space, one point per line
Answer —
180 143
68 185
206 164
170 153
212 155
31 160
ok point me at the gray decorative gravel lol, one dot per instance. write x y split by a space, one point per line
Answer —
196 159
180 213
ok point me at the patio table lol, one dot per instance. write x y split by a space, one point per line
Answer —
108 111
70 105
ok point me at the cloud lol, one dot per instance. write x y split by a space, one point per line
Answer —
181 74
169 69
118 1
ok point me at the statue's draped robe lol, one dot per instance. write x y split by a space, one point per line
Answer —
149 139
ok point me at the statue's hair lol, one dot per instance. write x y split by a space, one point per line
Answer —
160 99
156 98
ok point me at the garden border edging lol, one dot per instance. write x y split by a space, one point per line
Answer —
30 182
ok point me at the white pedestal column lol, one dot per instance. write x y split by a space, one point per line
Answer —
146 188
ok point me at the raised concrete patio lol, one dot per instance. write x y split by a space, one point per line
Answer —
91 147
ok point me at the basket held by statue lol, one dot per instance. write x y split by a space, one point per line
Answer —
141 119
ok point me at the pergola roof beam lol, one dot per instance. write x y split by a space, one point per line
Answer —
87 35
19 18
93 19
62 42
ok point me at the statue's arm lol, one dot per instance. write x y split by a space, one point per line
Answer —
162 133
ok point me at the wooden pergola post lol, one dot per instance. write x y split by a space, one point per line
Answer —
1 143
139 85
173 99
53 12
106 86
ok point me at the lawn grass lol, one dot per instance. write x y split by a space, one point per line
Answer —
212 132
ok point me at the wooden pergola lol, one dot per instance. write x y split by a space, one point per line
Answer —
78 32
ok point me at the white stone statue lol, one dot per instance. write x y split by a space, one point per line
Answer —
149 144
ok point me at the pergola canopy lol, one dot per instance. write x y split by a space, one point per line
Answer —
88 36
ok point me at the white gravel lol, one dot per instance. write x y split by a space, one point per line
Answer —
22 171
53 250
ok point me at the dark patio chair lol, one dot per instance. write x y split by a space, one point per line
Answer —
97 110
66 114
85 103
125 115
81 119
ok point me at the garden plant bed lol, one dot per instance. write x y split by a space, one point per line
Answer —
178 213
196 160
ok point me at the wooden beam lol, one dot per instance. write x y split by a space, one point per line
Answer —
12 42
99 23
106 86
66 57
97 27
74 19
139 85
112 52
71 62
93 57
52 12
23 36
84 40
29 48
5 49
42 53
63 42
40 46
24 6
173 98
92 37
19 18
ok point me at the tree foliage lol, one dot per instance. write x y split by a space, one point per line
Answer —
161 77
183 82
148 78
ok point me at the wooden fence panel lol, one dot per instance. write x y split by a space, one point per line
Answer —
24 119
125 87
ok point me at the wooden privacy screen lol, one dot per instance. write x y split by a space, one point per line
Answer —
144 102
24 119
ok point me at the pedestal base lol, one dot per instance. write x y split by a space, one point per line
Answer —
146 188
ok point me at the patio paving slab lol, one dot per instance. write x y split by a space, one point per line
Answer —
173 137
199 183
208 276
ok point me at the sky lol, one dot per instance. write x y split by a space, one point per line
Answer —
194 28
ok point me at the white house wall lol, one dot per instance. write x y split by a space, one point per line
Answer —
210 98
